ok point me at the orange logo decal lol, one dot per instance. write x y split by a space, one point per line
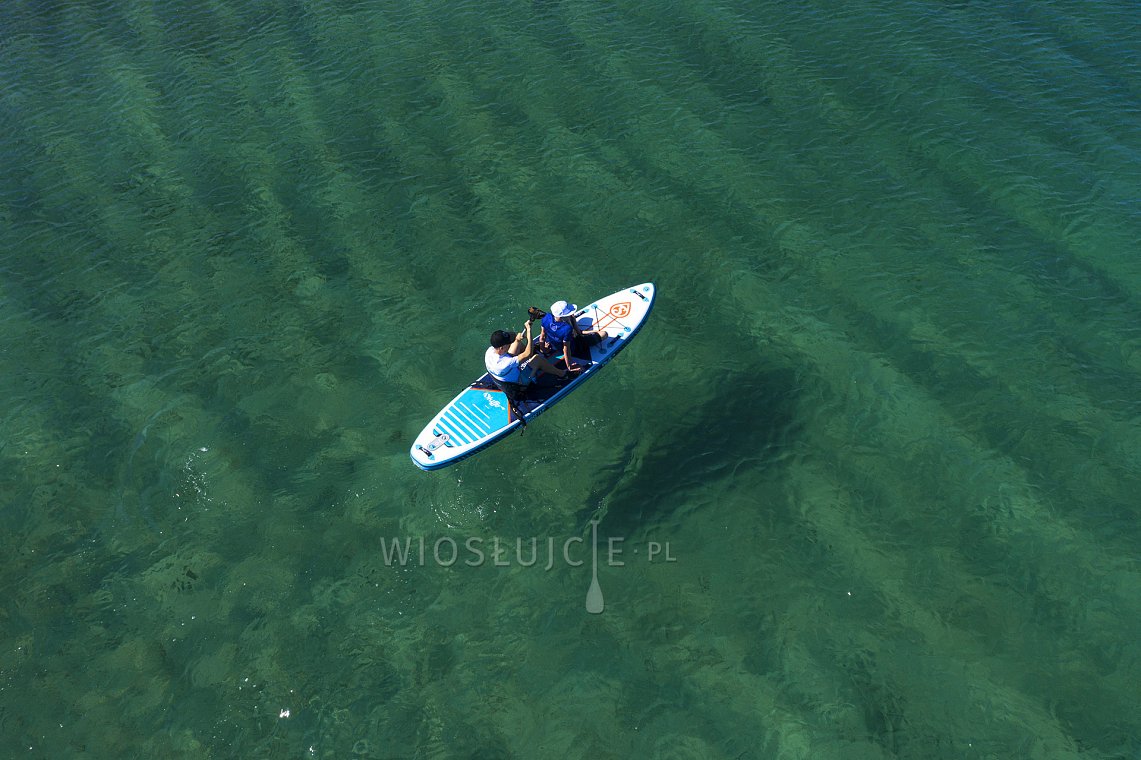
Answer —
620 310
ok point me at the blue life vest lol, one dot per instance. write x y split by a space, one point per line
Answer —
558 333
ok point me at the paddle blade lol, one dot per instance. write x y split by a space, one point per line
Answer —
594 601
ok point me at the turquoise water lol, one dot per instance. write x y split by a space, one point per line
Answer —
885 414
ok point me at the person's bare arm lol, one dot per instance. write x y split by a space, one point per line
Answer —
571 366
527 349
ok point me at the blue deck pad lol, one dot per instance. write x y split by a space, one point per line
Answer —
476 414
482 411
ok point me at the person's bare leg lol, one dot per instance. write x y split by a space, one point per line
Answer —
539 362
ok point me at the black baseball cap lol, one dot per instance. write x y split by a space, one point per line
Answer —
501 338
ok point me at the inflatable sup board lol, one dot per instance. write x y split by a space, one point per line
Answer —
481 414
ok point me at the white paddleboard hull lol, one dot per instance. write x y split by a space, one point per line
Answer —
480 415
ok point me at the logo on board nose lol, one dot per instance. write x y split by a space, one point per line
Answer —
620 310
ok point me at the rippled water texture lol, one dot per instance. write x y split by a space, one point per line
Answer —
886 413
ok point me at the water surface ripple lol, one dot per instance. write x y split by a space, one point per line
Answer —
886 413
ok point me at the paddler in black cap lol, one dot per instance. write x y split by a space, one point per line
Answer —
512 359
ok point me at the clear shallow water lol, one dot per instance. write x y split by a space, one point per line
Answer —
885 413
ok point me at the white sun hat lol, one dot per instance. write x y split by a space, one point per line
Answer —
563 309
